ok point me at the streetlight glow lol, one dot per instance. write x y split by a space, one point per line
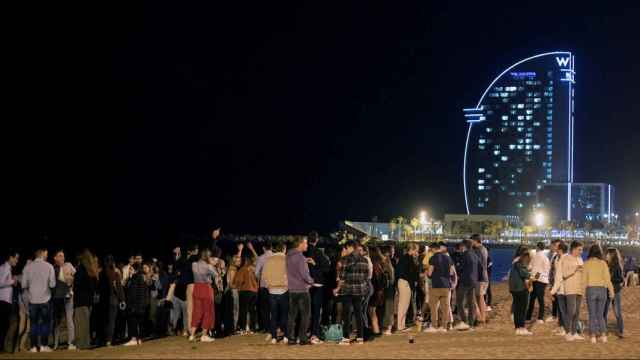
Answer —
423 217
538 219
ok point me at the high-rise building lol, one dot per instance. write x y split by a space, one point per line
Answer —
520 136
589 201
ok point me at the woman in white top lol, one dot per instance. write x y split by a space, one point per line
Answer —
558 290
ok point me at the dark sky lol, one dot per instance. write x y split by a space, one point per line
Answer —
136 122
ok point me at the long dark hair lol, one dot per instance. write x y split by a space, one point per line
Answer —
595 251
614 259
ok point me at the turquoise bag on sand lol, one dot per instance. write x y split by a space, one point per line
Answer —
333 333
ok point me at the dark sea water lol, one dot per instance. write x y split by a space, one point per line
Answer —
501 258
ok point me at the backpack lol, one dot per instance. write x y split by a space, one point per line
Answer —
333 333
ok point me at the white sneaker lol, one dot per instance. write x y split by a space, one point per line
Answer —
274 341
268 338
461 326
561 332
518 332
72 347
132 342
45 349
578 337
604 339
442 330
345 341
33 349
539 322
526 332
315 340
192 338
550 319
206 339
285 340
489 308
569 337
387 333
430 330
593 340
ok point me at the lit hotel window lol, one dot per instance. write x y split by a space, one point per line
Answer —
504 158
481 170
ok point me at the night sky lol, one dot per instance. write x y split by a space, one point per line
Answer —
135 123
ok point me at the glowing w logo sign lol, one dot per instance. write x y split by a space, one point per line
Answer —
562 62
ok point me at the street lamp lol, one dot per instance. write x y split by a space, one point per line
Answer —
538 220
423 223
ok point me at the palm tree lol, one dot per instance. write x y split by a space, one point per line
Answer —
415 224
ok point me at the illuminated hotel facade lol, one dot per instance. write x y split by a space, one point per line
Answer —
520 137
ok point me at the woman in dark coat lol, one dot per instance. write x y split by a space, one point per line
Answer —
138 297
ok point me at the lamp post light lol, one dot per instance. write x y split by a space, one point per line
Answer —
539 220
423 223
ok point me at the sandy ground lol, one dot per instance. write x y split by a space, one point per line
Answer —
495 341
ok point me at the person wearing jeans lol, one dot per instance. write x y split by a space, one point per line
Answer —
557 291
354 285
540 267
597 281
465 294
274 278
617 279
299 282
572 267
38 278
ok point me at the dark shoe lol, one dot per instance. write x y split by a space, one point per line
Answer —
307 342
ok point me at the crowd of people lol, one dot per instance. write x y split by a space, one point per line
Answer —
296 293
562 271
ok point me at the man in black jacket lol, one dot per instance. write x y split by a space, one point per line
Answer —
318 268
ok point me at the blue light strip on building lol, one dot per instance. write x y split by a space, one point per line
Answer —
464 169
609 204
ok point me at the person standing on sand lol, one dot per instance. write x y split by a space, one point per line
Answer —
407 276
614 259
440 271
274 277
518 286
38 278
299 282
597 282
483 276
572 268
467 286
558 292
540 267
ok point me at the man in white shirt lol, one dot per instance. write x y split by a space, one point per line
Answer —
38 278
540 267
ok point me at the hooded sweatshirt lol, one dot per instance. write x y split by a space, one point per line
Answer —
298 272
